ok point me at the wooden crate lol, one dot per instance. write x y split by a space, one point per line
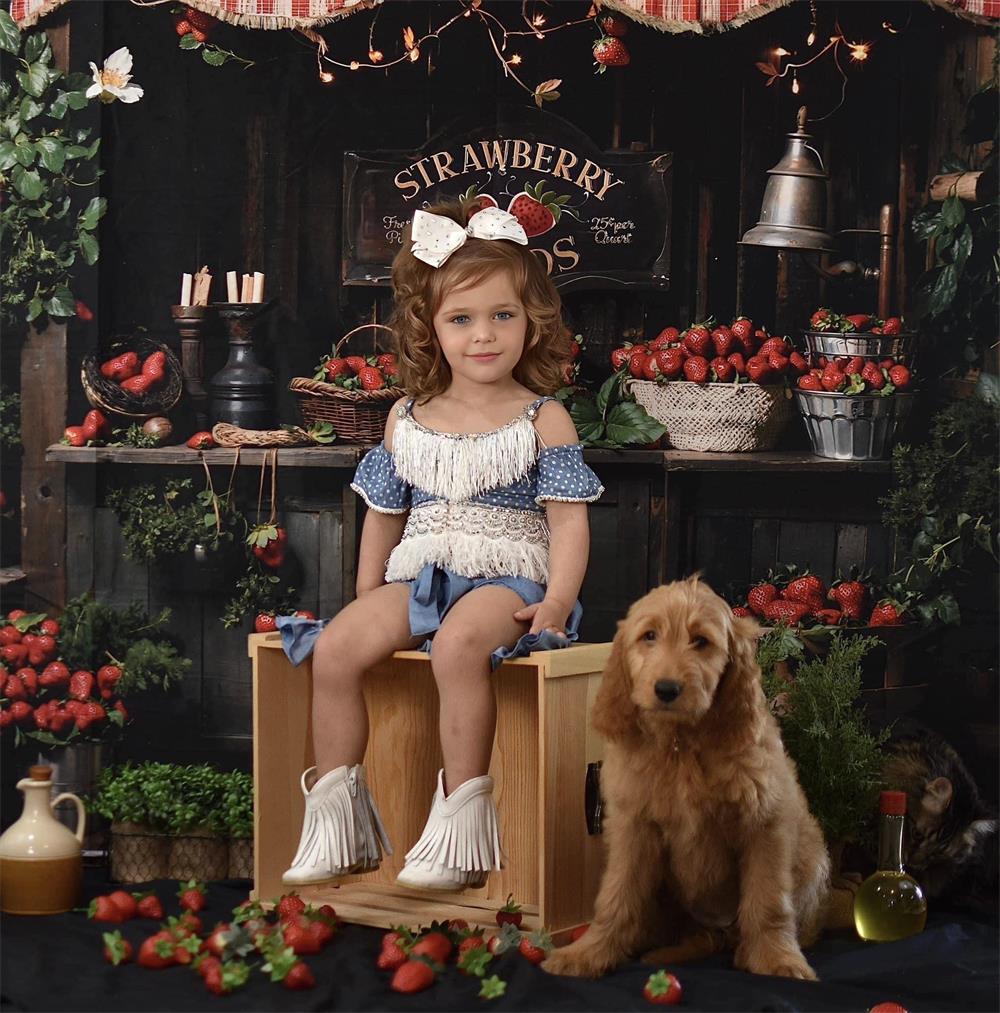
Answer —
543 745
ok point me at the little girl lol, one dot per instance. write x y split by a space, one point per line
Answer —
476 536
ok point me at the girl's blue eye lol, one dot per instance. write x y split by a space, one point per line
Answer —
459 318
505 315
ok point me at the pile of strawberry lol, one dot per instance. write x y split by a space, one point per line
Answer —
706 353
803 600
267 622
856 375
356 372
854 323
40 697
296 930
135 377
196 23
94 429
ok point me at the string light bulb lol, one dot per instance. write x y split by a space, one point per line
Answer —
515 59
414 54
538 20
375 55
795 84
326 77
810 38
781 51
355 64
859 50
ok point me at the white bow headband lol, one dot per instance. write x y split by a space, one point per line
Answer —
436 238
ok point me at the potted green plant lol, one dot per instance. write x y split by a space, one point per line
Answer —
195 819
237 812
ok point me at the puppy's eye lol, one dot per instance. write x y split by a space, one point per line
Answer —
649 635
698 642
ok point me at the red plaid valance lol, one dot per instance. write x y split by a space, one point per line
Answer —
666 15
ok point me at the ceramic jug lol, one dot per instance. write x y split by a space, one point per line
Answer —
41 861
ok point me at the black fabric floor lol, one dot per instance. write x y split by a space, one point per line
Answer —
55 963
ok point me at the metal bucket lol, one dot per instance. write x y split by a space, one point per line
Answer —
897 346
853 427
75 768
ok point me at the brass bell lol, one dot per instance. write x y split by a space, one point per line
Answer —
793 212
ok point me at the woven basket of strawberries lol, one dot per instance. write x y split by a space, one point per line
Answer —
715 388
134 376
353 393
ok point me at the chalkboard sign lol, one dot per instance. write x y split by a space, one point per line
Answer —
597 220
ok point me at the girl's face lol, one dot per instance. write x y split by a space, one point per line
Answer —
482 329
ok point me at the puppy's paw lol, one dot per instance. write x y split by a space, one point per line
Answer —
780 964
579 961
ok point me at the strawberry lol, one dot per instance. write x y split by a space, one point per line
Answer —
121 367
833 381
873 376
413 976
669 362
788 612
899 377
95 425
887 1007
536 209
619 357
296 934
759 370
435 945
117 949
855 364
81 685
739 363
21 712
200 20
154 365
805 589
610 52
137 385
104 909
723 369
829 616
42 650
192 895
5 719
470 942
887 363
14 689
510 913
851 596
892 325
668 336
182 27
157 951
778 363
202 441
778 346
49 628
743 613
391 957
206 963
724 341
265 622
188 921
859 321
535 948
637 363
650 370
387 359
697 341
54 674
336 367
88 714
798 363
125 903
613 24
290 904
696 369
15 655
742 329
371 378
300 977
74 436
760 596
663 988
809 382
149 906
10 635
821 320
29 680
108 677
886 613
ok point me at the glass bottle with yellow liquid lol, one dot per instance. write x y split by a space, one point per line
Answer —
890 904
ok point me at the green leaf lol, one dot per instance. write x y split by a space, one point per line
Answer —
24 150
587 419
189 42
608 392
208 520
213 57
34 80
93 213
628 423
952 212
58 107
116 717
51 153
962 248
77 99
10 34
943 293
8 155
27 182
35 46
62 304
75 151
35 309
89 247
25 623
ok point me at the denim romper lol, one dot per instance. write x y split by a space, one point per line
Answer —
476 517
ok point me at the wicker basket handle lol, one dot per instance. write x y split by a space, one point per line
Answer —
360 327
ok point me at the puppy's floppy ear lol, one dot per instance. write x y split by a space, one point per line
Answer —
613 714
739 694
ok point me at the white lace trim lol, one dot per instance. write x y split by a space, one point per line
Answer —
458 466
472 541
374 506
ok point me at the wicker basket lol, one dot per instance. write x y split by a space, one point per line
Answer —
198 855
356 415
720 417
138 853
109 397
240 858
227 435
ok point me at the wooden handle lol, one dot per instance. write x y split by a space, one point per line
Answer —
360 327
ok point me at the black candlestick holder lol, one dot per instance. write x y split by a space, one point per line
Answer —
242 392
192 322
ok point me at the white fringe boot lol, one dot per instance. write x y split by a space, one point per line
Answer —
460 843
342 832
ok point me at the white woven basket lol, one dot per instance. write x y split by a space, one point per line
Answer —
720 417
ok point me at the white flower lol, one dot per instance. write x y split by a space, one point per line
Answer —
113 81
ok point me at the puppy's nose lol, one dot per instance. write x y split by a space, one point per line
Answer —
667 691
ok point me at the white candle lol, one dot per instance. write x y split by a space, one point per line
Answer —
232 292
185 289
258 287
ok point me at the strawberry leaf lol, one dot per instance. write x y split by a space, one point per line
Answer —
492 988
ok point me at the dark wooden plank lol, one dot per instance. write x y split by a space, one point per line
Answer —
777 460
117 580
81 495
303 538
807 545
722 552
345 456
226 681
332 593
852 541
763 546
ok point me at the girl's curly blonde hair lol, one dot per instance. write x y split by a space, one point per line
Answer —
419 290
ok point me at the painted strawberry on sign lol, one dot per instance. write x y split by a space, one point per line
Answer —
536 209
484 199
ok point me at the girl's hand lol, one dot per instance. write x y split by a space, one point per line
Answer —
545 615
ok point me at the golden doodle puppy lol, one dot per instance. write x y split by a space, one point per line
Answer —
709 839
